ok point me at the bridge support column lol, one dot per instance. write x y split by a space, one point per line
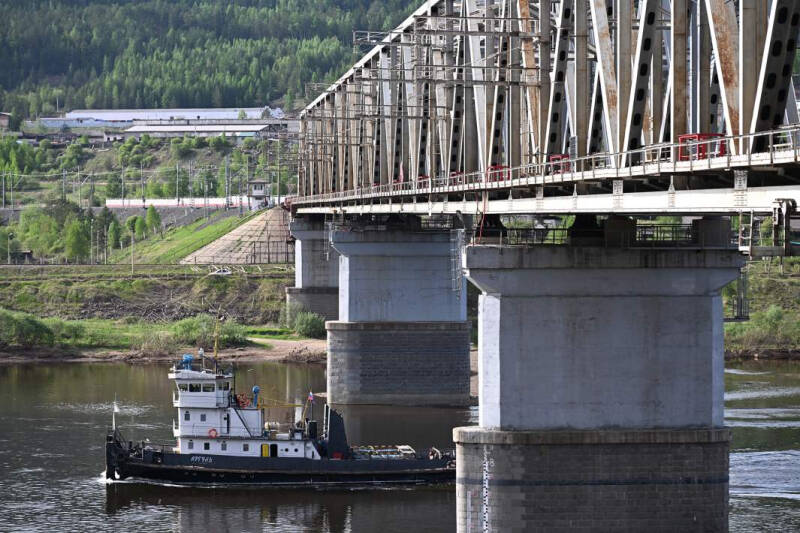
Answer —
601 391
402 336
316 271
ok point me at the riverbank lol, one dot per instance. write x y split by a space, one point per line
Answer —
251 294
307 351
773 330
766 354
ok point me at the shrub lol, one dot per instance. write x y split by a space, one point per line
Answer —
288 315
310 324
773 328
159 343
199 331
65 332
22 329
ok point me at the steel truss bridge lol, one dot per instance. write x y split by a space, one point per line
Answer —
557 107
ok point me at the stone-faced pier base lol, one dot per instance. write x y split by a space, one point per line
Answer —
323 301
400 363
604 480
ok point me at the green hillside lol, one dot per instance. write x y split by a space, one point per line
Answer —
181 53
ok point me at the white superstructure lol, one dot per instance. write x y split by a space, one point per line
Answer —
212 419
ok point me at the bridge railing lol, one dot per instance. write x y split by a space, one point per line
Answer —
694 152
644 236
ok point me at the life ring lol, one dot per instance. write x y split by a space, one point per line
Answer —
212 433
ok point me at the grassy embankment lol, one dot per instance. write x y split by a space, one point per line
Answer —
179 242
774 324
104 307
23 330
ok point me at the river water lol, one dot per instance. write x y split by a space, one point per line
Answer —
54 418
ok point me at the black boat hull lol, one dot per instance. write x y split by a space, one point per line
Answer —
123 463
201 475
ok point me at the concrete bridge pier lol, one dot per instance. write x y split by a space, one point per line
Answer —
601 391
402 336
316 270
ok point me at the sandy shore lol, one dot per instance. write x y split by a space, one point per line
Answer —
282 351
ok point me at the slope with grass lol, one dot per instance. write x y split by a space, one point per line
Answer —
178 243
152 293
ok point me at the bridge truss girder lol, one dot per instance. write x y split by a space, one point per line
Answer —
466 86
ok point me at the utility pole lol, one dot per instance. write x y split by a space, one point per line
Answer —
141 177
279 172
240 193
133 243
177 173
227 184
269 173
123 187
91 241
4 189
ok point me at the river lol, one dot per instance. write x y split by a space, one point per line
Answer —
54 419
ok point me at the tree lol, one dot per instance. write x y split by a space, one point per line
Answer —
76 245
130 223
114 187
140 228
153 220
155 189
114 234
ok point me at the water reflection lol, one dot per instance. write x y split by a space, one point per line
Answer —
250 509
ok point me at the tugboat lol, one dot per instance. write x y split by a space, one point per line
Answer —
222 438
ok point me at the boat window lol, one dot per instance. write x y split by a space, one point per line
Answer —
245 447
203 417
194 387
186 415
208 387
295 450
206 445
223 446
190 445
183 386
225 385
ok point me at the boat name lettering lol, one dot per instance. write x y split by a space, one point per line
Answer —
203 460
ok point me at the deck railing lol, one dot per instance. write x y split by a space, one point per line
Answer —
695 154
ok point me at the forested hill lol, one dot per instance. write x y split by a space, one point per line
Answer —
176 53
